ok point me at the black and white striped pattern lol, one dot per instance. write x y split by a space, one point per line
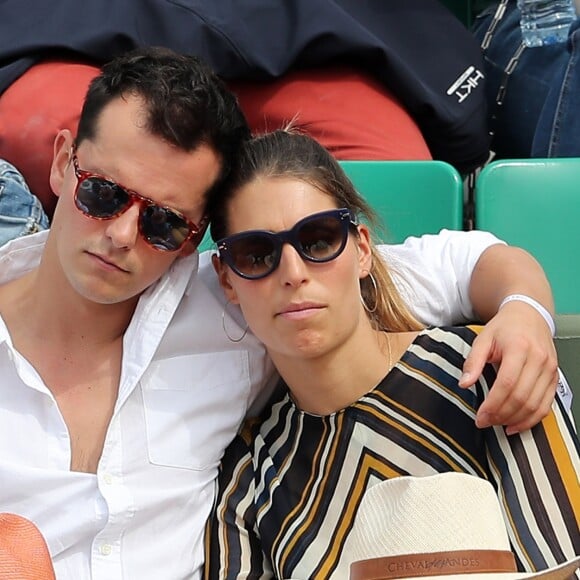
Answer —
291 483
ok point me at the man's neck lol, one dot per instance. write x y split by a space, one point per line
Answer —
33 307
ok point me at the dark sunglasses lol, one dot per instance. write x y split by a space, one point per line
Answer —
161 227
320 237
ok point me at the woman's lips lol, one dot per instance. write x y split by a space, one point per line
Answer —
300 311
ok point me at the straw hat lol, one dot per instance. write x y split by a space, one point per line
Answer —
23 551
436 526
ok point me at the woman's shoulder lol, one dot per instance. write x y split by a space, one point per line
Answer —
456 337
434 363
436 344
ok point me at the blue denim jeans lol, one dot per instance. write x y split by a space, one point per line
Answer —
21 212
540 112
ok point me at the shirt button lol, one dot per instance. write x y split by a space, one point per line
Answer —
108 479
106 549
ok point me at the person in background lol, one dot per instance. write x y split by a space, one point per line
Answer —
366 393
117 373
21 212
331 65
533 94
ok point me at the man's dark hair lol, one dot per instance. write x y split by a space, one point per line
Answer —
186 103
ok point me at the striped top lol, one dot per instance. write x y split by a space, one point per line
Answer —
291 482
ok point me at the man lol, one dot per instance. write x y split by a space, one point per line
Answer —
120 391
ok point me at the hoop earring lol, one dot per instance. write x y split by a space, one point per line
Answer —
376 291
226 330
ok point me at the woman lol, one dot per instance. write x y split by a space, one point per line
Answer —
366 394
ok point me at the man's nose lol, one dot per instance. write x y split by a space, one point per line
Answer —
123 230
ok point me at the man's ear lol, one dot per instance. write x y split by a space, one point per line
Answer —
61 158
364 245
224 273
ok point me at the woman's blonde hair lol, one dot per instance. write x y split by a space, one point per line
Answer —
288 153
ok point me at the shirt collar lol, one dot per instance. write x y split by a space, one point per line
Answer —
157 304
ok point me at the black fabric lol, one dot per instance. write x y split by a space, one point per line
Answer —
417 48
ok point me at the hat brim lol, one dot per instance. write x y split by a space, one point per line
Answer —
561 572
565 570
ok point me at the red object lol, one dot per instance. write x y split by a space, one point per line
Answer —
347 111
44 100
23 551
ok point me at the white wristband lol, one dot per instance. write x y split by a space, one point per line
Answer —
534 304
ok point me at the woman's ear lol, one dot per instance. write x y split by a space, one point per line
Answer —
61 158
364 245
224 273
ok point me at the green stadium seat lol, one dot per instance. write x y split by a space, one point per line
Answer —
410 197
535 204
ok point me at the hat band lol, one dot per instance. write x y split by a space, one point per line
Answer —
433 564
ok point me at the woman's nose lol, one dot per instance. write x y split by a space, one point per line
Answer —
293 270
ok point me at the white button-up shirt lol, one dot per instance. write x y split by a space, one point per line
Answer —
183 392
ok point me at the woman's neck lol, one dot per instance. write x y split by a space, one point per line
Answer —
325 384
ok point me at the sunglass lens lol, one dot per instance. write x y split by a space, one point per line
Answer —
163 229
100 198
253 256
322 239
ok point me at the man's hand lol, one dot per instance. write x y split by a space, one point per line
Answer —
518 340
